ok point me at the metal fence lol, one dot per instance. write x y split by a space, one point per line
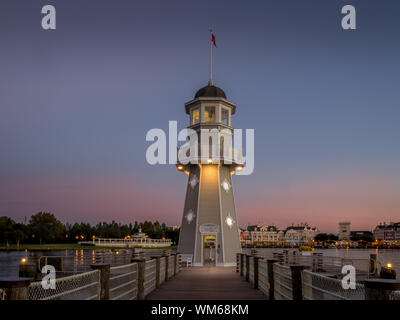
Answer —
394 295
123 282
85 286
319 287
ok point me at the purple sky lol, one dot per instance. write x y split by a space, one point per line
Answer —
76 103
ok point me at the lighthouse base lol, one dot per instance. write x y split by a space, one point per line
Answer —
209 230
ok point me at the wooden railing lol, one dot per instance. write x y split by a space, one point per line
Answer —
281 280
125 282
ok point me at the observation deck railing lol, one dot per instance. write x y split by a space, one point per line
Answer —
105 282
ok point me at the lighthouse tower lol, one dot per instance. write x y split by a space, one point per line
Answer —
209 229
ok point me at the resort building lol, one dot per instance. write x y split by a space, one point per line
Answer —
270 235
387 232
262 234
344 231
301 234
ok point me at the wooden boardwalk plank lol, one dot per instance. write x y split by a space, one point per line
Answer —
206 283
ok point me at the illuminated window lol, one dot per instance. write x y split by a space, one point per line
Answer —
195 116
225 116
209 114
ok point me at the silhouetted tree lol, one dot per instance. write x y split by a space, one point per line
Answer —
45 227
325 237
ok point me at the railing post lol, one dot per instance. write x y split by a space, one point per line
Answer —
286 257
317 261
157 271
297 286
104 279
175 263
373 265
28 270
294 261
256 259
241 264
271 286
166 266
247 267
380 289
141 265
14 289
179 262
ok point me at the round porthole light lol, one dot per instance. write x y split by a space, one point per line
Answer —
226 185
229 221
193 182
190 216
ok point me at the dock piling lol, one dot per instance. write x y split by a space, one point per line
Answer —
141 263
380 289
271 286
104 279
14 289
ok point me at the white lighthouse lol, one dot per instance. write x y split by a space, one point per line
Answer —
209 228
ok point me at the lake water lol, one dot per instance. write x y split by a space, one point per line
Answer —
10 260
74 260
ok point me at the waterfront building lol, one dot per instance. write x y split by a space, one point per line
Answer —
209 224
344 231
387 232
262 235
301 234
265 235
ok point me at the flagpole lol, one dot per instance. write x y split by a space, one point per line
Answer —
210 82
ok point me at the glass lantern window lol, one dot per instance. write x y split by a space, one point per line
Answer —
195 116
225 116
209 114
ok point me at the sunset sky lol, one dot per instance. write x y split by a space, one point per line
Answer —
76 104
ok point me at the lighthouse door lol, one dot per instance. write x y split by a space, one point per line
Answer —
209 250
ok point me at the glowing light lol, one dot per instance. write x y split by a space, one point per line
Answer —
389 265
190 216
180 167
23 260
210 161
229 221
193 182
239 168
117 252
226 185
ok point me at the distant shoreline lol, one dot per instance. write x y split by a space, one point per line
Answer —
65 246
75 246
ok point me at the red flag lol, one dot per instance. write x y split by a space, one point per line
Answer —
213 40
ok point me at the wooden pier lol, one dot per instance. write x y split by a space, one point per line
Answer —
206 283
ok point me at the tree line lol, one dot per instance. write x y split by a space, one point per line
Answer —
45 228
